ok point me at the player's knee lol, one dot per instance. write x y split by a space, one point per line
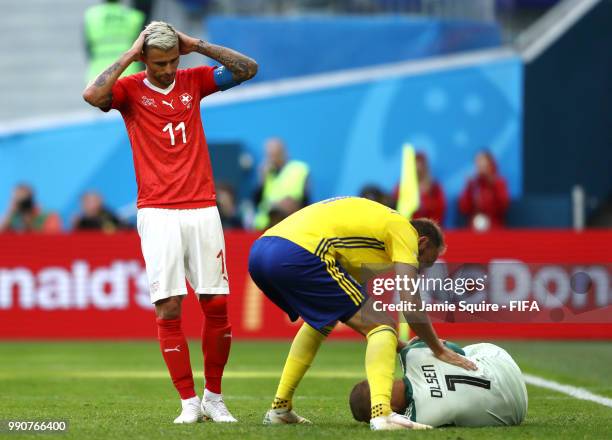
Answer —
214 306
364 323
169 308
390 330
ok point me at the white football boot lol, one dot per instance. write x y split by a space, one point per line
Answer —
213 408
191 412
394 422
283 416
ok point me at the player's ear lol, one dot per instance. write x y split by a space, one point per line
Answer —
143 53
423 242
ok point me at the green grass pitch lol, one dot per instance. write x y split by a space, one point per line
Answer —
120 390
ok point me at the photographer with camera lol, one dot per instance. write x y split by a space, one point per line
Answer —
25 216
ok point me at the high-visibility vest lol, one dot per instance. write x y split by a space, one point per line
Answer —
110 30
289 182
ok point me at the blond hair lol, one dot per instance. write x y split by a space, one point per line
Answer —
160 35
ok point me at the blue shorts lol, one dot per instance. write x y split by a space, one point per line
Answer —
301 284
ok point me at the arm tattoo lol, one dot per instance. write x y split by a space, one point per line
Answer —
107 101
103 77
241 66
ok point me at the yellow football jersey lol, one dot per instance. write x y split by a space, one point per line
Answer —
353 232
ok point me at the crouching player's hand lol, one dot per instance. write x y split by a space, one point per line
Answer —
449 356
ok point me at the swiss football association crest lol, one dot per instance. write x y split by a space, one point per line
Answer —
148 102
186 99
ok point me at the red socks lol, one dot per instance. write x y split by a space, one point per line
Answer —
175 351
216 342
216 339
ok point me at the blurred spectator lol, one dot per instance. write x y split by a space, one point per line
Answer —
375 193
110 29
25 216
228 211
432 202
281 179
485 199
95 217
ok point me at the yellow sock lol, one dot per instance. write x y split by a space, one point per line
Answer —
380 366
303 350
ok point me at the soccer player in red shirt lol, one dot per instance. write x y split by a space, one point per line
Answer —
178 222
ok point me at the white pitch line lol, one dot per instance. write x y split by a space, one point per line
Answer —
228 374
162 374
576 392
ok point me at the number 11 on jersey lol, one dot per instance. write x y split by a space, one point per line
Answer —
171 130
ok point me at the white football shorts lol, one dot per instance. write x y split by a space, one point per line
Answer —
183 243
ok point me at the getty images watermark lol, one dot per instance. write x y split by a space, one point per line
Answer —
502 291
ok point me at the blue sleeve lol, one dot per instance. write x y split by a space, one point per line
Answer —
224 78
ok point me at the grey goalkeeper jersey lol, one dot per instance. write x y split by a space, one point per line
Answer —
440 394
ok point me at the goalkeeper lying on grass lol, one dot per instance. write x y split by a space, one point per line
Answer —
437 393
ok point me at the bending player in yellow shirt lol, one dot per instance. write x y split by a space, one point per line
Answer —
310 266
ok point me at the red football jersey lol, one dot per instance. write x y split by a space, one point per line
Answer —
168 144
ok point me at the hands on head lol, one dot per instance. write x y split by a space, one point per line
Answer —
187 45
138 47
